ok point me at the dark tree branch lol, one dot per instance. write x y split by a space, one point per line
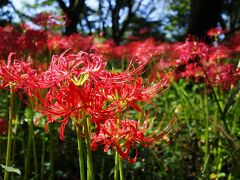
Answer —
73 12
62 5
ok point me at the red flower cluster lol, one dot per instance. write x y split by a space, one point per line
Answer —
47 20
26 42
234 42
75 42
122 136
192 60
125 134
29 43
202 62
77 86
150 47
216 32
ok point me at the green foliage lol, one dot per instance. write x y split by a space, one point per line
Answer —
178 18
11 169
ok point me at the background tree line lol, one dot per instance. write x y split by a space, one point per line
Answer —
117 19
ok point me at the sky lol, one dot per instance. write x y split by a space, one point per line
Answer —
159 13
19 3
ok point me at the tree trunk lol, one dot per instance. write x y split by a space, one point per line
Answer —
71 25
118 29
204 15
73 12
234 14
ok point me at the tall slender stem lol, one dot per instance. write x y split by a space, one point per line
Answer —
80 153
51 154
116 170
9 142
28 149
216 99
34 149
89 154
14 140
42 157
206 149
205 105
120 168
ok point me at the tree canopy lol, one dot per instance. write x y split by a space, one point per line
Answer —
167 20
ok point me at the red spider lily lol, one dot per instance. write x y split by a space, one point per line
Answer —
47 20
149 48
25 42
22 75
111 98
123 135
128 50
127 94
224 75
107 49
65 88
76 84
18 74
33 42
61 98
191 54
216 32
8 41
58 105
200 61
127 75
220 52
53 41
29 42
75 41
191 50
234 42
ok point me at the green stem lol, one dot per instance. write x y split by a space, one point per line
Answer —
9 142
223 115
51 154
42 158
80 153
215 118
29 146
204 104
185 103
89 154
14 140
120 168
34 150
116 170
220 157
236 115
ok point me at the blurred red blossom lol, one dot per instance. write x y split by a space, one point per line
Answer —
216 32
75 42
202 62
234 42
47 20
